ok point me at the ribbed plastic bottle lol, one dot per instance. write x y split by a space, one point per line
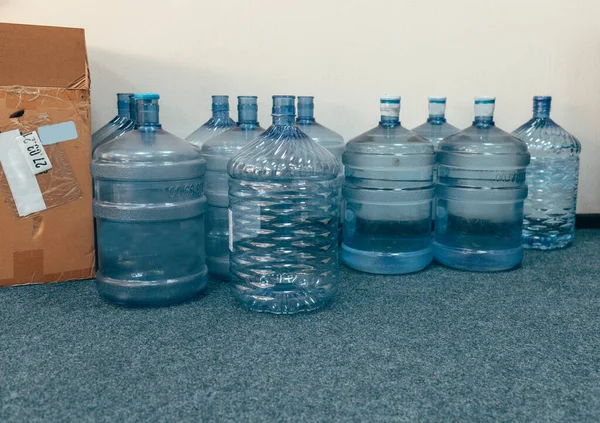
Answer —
480 195
283 213
435 130
149 207
388 192
218 151
552 177
118 125
329 139
216 125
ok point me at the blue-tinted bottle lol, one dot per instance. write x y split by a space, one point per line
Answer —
329 139
218 151
149 208
216 125
283 209
552 177
388 191
118 125
435 130
480 192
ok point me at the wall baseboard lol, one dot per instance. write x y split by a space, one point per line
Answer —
587 221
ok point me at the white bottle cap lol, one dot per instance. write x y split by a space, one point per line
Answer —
437 106
390 105
484 106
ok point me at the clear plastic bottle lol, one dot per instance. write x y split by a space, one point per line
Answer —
118 125
283 217
388 192
216 125
149 208
329 139
435 130
552 177
480 194
218 151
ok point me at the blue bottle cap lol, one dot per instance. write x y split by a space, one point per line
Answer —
146 96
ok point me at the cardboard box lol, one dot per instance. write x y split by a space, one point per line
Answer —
44 81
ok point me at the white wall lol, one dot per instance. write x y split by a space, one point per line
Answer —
346 53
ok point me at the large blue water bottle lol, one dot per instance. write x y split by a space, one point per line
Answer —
218 123
119 125
435 129
552 177
218 151
149 207
283 209
320 134
480 195
388 192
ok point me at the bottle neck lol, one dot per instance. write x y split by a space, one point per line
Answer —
123 111
283 120
389 121
220 114
305 120
147 115
483 121
436 119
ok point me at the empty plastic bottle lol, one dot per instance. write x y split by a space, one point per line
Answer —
216 125
283 209
388 192
217 152
435 130
552 177
118 125
480 194
149 207
329 139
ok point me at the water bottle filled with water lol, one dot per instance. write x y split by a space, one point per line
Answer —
216 125
552 177
480 192
118 125
388 191
149 208
283 212
329 139
218 151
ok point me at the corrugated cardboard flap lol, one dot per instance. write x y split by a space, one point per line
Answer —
43 56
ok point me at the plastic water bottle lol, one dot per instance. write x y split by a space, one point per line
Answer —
217 152
329 139
118 125
283 213
149 208
480 195
552 177
216 125
388 192
435 130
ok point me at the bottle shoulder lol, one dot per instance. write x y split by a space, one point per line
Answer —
543 136
483 140
283 152
230 142
210 129
140 146
435 132
321 134
387 140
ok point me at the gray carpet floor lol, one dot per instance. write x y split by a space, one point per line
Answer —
439 345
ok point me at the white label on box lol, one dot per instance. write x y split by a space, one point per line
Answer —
23 184
34 152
